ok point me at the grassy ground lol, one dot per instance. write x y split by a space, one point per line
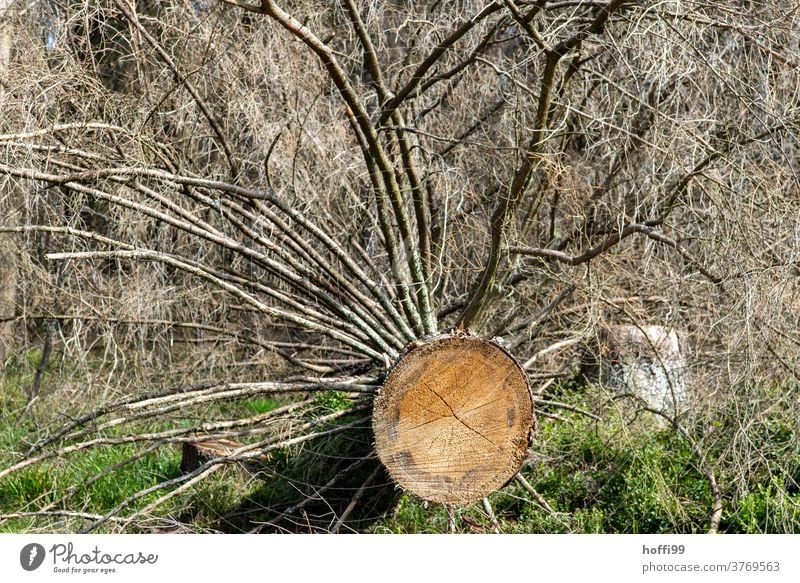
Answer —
626 474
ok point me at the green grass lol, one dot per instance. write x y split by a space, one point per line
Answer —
224 502
625 476
622 475
769 508
597 485
258 405
71 479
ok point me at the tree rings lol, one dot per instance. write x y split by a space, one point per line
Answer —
453 419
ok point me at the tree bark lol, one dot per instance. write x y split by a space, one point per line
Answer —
8 263
8 292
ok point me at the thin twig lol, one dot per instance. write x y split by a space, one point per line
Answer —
355 499
540 500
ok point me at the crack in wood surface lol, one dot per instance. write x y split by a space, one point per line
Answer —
456 416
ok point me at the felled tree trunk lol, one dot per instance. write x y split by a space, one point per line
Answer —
453 419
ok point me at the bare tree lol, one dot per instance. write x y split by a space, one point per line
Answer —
332 182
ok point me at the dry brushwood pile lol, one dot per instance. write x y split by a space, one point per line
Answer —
212 202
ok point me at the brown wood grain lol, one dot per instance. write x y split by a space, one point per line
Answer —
453 419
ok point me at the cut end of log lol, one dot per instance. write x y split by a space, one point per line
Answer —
453 420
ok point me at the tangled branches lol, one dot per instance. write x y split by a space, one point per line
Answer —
327 182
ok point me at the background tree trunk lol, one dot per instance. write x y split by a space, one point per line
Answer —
8 289
9 199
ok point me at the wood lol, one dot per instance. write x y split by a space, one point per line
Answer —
453 419
196 453
9 198
8 297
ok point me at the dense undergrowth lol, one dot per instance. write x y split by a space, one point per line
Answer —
629 473
191 189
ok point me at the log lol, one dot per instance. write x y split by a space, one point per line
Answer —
454 418
195 453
